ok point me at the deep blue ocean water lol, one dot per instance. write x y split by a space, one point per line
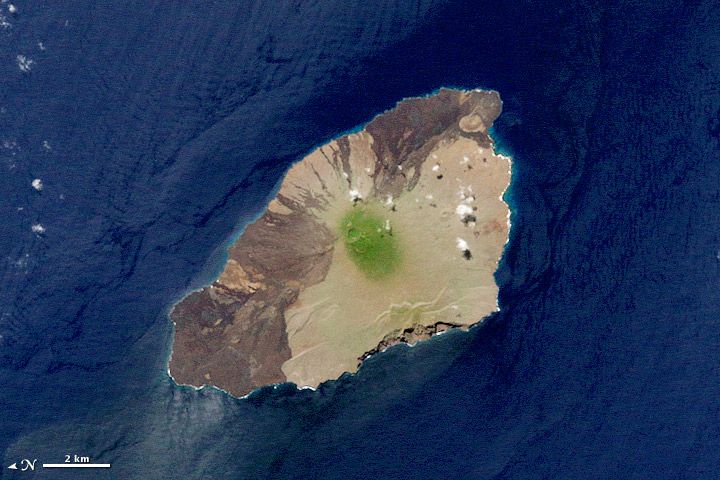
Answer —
159 130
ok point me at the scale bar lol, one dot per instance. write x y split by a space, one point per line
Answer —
76 465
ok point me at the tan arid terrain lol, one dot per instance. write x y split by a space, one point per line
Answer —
388 235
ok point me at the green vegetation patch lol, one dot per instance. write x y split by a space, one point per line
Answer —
370 242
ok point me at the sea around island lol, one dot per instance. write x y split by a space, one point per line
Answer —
170 127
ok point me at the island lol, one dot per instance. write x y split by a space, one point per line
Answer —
388 235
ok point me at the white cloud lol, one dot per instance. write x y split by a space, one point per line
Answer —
24 63
463 210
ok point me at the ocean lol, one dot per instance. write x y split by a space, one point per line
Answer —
159 130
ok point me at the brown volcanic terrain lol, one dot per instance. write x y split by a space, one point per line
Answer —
292 305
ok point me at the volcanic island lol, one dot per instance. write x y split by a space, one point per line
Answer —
388 235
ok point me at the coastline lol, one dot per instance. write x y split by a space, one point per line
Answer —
222 250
